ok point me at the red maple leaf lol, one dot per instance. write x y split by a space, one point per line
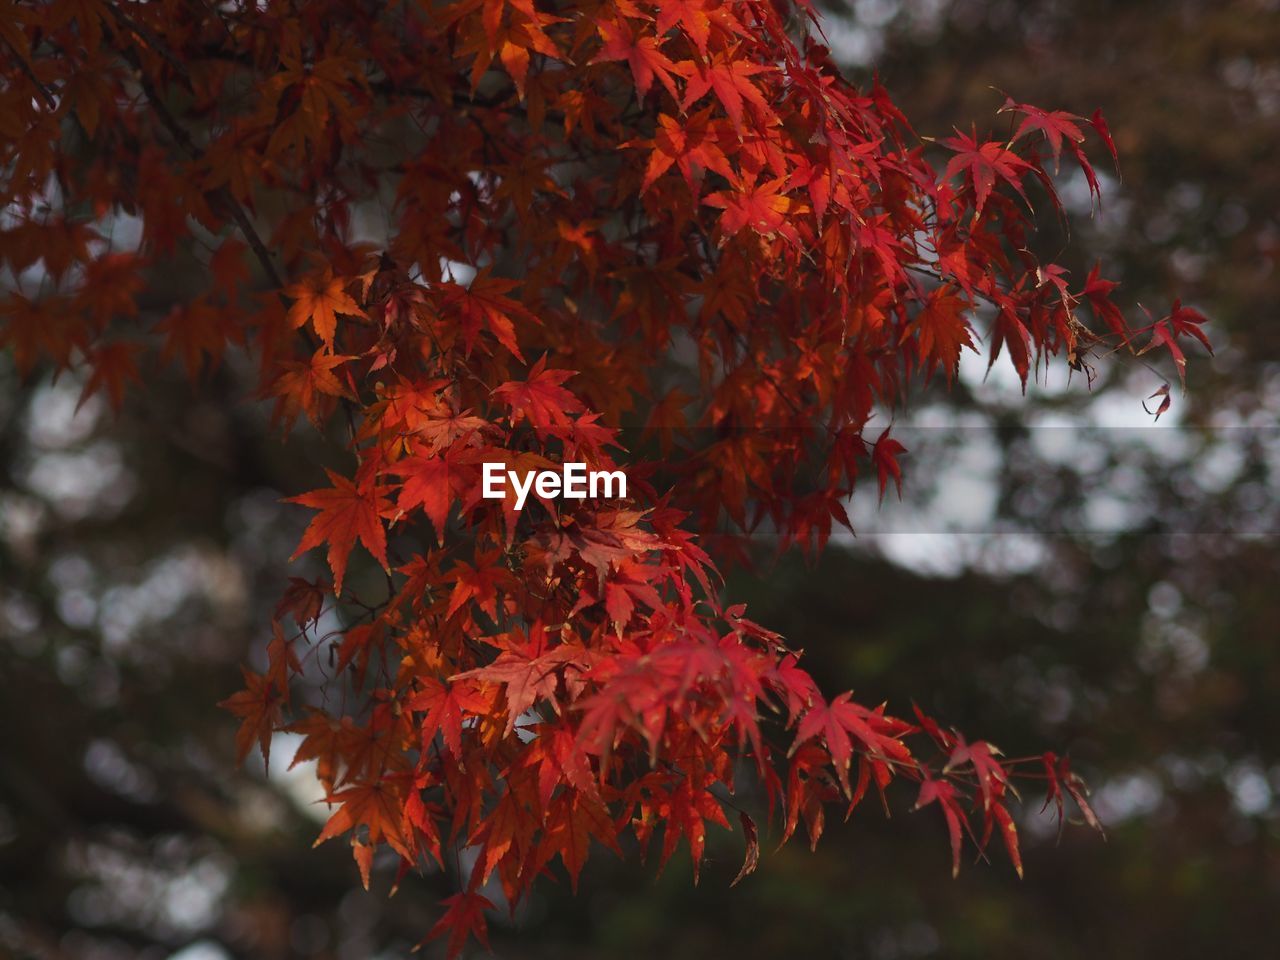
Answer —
943 331
642 53
463 918
540 399
350 510
884 454
1056 125
985 165
483 302
444 706
430 483
730 79
762 207
944 792
526 669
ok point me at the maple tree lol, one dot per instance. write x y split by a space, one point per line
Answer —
459 234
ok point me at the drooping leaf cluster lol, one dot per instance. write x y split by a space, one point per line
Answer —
528 233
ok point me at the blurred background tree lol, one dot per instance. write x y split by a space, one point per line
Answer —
1070 573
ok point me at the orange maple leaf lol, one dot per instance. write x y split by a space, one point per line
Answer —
377 805
303 384
319 300
259 706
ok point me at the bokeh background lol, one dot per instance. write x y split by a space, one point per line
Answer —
1061 571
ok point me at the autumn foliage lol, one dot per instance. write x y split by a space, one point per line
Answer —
663 237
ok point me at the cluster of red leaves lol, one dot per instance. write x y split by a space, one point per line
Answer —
470 233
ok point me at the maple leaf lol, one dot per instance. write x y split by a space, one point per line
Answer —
695 18
325 741
441 432
282 661
463 918
1056 125
641 52
729 78
479 583
507 830
358 645
303 600
794 684
1181 321
1162 334
303 383
1060 127
513 31
684 813
420 822
114 366
1165 403
1097 291
540 399
573 821
667 420
1099 123
260 708
563 760
350 510
526 671
944 793
429 483
620 596
884 454
985 164
992 779
376 805
484 302
943 331
319 300
1009 834
842 724
444 707
688 143
197 331
752 857
1009 329
1059 776
1186 321
761 207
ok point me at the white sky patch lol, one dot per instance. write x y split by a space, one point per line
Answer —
1001 383
1251 793
201 950
457 271
53 420
1124 798
169 581
1106 437
78 484
851 40
948 554
299 783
